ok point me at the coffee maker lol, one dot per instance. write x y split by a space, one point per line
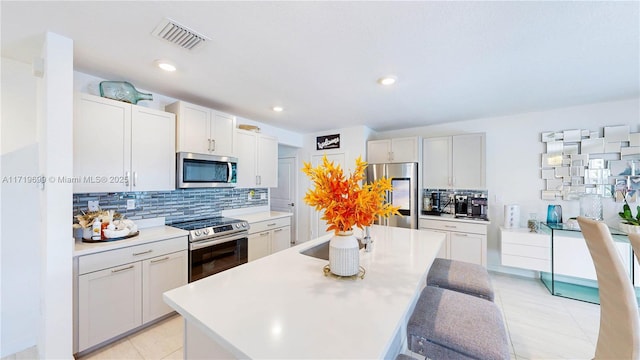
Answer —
477 207
431 204
461 205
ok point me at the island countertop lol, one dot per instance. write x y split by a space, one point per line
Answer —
283 306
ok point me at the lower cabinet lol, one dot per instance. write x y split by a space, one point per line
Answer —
268 237
464 241
119 290
526 250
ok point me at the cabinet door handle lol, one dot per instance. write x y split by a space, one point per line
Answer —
122 269
142 253
135 178
209 147
213 144
158 260
126 178
264 233
277 230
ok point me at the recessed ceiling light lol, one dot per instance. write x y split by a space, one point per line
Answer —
277 108
387 80
165 65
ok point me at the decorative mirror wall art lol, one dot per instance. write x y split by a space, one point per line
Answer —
581 162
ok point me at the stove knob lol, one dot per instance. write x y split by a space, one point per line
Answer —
198 233
205 231
244 224
237 226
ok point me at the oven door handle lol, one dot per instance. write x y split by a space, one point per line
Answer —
202 244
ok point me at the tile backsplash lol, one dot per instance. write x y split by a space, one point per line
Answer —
175 206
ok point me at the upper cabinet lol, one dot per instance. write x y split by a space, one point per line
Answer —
257 159
393 150
119 147
202 130
454 162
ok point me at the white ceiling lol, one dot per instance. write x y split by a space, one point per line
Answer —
321 60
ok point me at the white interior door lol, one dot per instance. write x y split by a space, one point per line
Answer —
283 197
319 226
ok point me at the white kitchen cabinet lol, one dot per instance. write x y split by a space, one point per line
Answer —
454 162
526 250
393 150
161 274
203 130
109 303
465 241
120 290
268 237
257 159
121 147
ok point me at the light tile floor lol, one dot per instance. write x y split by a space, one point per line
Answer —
540 326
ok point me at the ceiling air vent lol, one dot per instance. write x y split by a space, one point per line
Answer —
178 34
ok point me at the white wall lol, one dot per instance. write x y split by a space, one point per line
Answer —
513 157
19 235
37 242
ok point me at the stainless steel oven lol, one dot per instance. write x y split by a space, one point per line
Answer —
215 245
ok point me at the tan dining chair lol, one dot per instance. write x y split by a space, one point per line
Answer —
634 239
619 335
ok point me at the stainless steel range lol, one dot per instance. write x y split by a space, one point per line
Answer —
215 244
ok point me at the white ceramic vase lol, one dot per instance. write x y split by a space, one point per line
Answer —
630 229
344 254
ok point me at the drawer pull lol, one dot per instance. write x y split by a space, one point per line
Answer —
122 269
461 234
277 230
272 224
158 260
264 233
142 253
450 226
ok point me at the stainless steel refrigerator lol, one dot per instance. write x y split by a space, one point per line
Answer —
404 179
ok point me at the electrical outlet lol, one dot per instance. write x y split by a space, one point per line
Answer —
131 204
93 205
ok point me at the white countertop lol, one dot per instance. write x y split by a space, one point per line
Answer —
262 216
451 217
146 235
282 305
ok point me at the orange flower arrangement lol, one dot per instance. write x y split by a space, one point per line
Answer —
345 203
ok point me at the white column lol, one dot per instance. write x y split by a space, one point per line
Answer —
55 137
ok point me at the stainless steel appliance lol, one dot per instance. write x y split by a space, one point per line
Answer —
477 207
215 244
202 170
461 205
404 179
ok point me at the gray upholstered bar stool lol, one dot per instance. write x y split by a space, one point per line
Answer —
461 276
447 324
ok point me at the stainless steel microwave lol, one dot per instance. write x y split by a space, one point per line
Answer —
203 170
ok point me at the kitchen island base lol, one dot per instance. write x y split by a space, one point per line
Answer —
283 306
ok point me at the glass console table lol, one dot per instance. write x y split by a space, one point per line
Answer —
572 272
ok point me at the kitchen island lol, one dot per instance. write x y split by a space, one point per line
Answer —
283 306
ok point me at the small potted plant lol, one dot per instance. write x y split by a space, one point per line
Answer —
630 223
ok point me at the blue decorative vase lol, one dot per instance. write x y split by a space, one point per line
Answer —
554 214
